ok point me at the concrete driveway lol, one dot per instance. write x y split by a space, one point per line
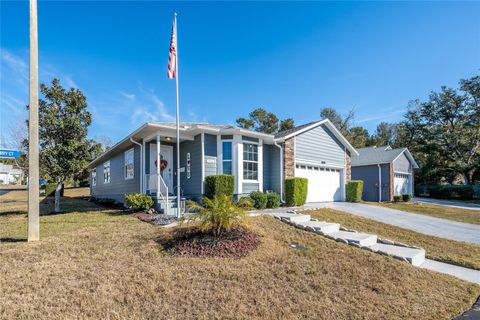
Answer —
424 224
454 204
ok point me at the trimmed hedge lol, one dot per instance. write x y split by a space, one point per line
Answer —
397 198
461 192
50 189
407 197
219 184
273 200
296 190
138 201
354 190
260 199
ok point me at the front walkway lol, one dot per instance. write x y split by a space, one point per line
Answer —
454 204
424 224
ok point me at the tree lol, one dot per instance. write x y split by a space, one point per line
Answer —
358 137
342 123
63 127
385 134
261 120
445 130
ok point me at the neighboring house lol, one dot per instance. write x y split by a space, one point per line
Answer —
9 174
258 161
385 172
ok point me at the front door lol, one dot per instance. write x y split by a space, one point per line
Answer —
166 163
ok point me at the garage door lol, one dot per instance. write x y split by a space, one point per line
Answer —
401 184
323 183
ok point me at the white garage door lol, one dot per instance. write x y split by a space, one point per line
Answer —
401 184
323 183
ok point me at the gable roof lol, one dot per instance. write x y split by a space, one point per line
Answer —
282 136
379 155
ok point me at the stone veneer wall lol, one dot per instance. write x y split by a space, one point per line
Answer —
289 158
348 168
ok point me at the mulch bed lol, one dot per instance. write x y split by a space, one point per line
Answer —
236 243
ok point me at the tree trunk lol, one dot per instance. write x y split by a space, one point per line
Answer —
57 197
466 178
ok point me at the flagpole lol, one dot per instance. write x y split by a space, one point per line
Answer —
178 119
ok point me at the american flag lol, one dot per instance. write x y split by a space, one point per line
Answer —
172 57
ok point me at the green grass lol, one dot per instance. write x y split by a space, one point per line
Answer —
438 211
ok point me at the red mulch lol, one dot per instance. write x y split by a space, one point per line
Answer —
235 243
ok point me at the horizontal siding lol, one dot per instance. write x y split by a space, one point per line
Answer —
191 187
275 167
267 153
210 145
118 186
402 164
249 187
369 176
319 145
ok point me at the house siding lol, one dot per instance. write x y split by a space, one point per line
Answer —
271 168
118 186
369 176
249 187
320 146
267 165
191 188
210 147
402 164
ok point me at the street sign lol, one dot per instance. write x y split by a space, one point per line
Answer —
9 154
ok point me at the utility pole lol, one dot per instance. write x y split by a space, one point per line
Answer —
33 163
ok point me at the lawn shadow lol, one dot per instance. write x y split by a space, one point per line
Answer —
12 240
12 213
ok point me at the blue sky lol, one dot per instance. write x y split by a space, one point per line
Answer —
290 58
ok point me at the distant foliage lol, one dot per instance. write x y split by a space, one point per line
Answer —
354 190
460 192
219 184
138 201
296 190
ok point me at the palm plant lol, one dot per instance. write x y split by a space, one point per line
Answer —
219 215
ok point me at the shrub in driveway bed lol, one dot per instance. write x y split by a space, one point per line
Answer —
407 197
138 201
296 191
354 190
245 203
219 184
397 198
260 199
273 200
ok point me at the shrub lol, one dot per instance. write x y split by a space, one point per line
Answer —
354 190
84 183
219 184
219 215
245 203
50 189
397 198
138 201
296 190
407 197
260 199
273 200
462 192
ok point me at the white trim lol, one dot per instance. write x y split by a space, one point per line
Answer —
260 165
401 172
219 155
202 183
131 150
143 167
237 164
319 164
251 161
94 182
158 164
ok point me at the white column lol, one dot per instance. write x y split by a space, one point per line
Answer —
260 165
237 169
219 155
202 138
158 166
144 182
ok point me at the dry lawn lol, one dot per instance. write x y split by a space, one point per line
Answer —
456 252
444 212
100 264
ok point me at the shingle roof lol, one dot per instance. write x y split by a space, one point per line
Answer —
375 155
285 133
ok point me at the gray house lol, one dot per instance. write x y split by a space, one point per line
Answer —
385 172
145 161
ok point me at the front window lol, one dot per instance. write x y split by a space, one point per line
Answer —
106 172
250 161
129 166
94 177
227 157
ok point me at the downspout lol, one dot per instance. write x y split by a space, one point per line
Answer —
379 183
281 170
141 163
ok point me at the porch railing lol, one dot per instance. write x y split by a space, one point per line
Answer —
153 181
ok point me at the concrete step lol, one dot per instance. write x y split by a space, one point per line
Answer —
362 239
415 256
292 217
324 227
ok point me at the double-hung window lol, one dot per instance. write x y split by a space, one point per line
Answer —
250 161
129 166
106 172
94 177
227 157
